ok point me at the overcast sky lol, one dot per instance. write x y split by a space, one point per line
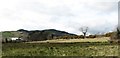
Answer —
66 15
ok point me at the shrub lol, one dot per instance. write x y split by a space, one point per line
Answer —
115 37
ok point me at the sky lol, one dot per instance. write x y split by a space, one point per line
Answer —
65 15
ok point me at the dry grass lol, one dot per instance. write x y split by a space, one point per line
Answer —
103 39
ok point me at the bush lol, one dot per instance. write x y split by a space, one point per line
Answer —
115 37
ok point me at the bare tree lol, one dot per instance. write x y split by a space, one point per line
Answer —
84 31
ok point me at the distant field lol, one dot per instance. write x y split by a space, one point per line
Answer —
103 39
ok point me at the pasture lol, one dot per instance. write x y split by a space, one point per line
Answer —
62 47
59 49
103 39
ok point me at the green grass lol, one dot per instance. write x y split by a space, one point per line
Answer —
59 49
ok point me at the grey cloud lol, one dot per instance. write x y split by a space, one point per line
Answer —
69 17
42 8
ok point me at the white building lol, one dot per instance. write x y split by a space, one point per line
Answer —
15 38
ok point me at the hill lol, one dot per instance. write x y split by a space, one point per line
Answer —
35 35
47 34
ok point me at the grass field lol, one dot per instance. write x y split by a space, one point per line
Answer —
103 39
61 47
